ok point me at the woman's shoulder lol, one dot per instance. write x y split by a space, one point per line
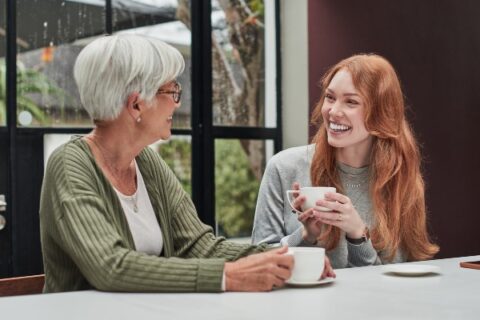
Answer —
294 156
70 169
151 160
155 167
70 153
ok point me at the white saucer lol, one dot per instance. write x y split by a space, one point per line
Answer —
294 283
411 269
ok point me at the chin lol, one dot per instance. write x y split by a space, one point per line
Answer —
166 136
335 143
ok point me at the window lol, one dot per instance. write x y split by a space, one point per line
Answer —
224 132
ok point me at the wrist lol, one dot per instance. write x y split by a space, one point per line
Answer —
364 237
357 233
227 270
311 240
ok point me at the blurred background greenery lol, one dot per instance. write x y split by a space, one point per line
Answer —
236 186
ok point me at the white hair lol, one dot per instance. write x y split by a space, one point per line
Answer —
111 68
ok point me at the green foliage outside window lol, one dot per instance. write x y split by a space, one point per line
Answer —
236 186
236 189
177 154
30 82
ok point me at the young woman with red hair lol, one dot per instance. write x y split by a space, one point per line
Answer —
366 149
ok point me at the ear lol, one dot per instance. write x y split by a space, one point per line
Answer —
135 105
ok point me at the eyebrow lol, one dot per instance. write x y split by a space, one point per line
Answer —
348 94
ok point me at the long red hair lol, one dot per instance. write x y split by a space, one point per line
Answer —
396 187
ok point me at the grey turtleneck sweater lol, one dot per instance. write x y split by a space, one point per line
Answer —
275 223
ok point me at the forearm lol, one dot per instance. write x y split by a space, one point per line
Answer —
193 239
365 255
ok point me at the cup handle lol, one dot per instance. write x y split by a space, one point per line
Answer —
289 193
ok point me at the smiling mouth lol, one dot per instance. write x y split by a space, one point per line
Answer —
170 118
338 127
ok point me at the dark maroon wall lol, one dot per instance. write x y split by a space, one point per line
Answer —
435 47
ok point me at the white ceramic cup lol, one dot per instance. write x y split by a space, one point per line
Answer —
308 263
312 195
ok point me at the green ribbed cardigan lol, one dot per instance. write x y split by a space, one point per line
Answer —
86 241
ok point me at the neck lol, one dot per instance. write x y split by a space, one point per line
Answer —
117 145
356 156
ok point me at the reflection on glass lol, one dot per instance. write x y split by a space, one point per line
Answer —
3 92
50 34
167 20
177 153
239 167
238 60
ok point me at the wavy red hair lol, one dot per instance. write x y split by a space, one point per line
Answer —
397 186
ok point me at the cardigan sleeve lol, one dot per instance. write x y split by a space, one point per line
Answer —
191 237
108 264
269 222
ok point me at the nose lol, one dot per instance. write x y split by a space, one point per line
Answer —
335 111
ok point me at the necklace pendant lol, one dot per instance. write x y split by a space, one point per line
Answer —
135 207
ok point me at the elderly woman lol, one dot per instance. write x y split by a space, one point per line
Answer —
113 216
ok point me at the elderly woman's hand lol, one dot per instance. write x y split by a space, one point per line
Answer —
259 272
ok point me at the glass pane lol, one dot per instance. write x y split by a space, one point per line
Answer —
177 153
239 167
167 20
3 76
241 45
50 36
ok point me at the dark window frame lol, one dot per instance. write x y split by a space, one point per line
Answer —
20 253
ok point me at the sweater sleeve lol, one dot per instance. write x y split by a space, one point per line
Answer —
269 222
364 254
268 225
108 264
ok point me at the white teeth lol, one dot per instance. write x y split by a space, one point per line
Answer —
338 127
170 118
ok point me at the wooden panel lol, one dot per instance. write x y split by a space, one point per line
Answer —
21 285
434 46
5 234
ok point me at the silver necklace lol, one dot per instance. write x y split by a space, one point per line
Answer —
134 197
354 185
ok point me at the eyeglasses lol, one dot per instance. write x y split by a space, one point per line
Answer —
176 94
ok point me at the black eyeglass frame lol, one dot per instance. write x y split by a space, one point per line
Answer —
176 94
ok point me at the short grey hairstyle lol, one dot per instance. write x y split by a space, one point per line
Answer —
111 68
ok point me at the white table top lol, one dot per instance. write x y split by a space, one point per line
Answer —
359 293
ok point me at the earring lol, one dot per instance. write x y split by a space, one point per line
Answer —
139 119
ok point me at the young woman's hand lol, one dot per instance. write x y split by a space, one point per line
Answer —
312 226
343 215
259 272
